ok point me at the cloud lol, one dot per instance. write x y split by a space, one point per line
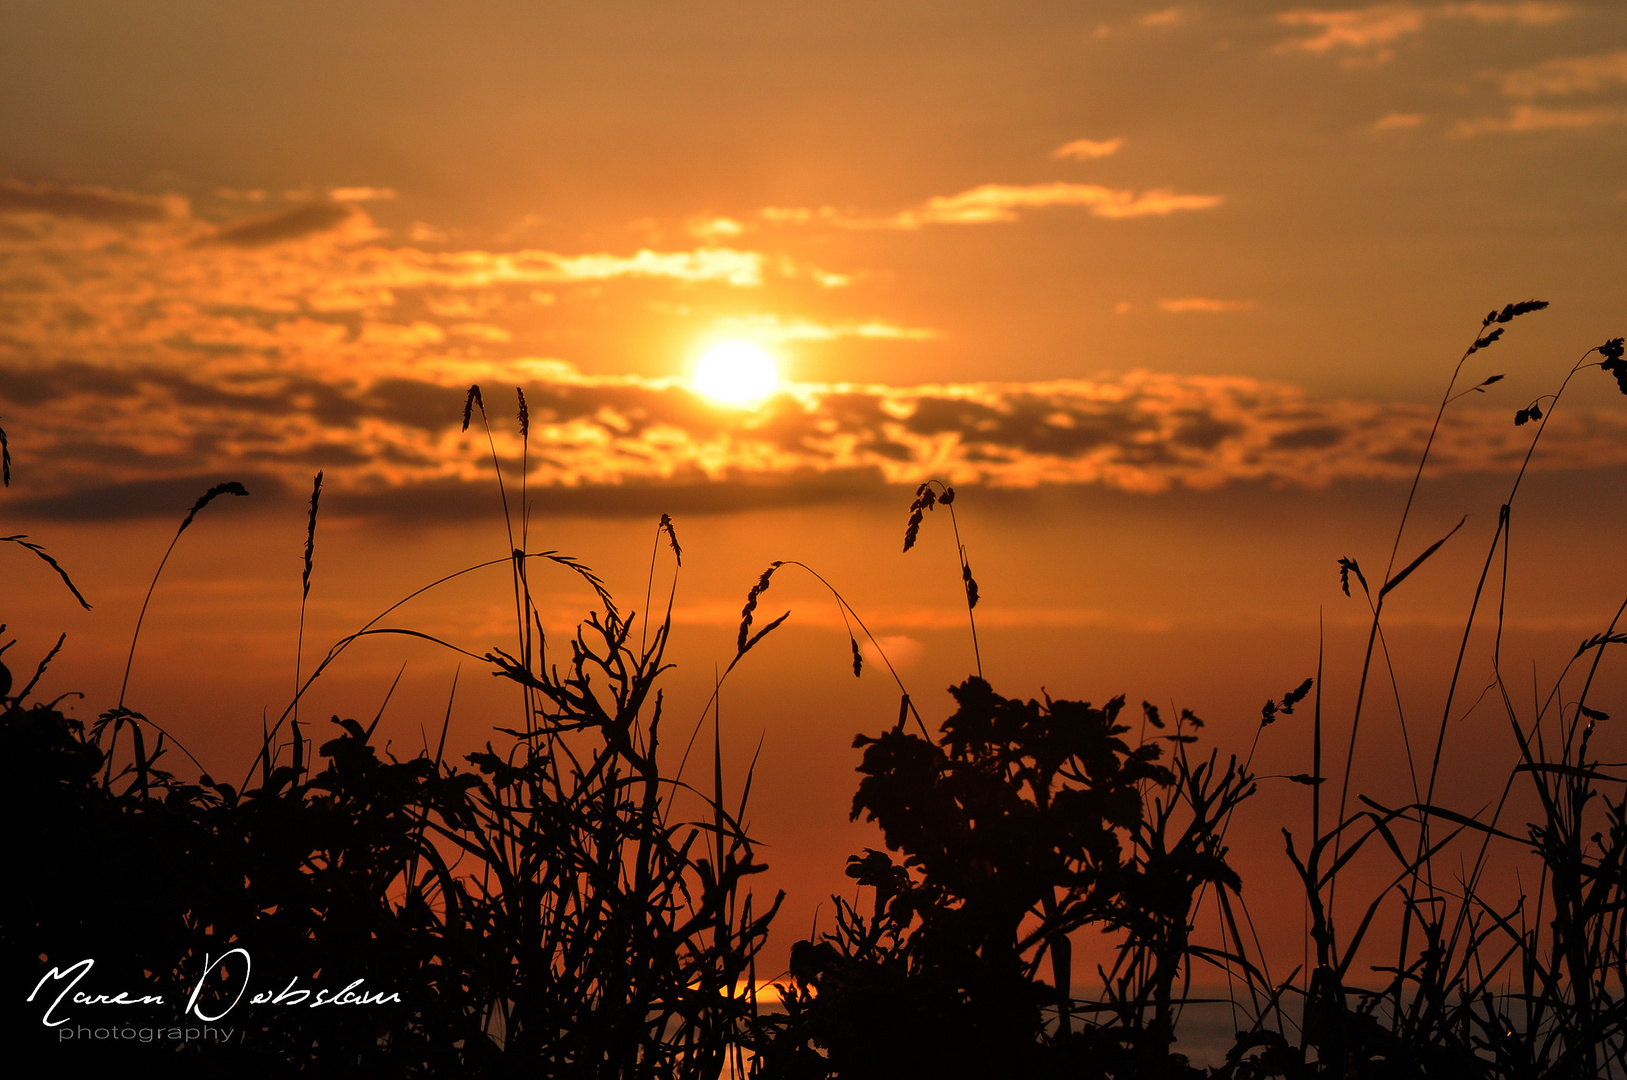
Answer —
991 203
88 203
1370 28
773 328
295 224
1569 75
1168 17
1204 304
744 268
901 650
1524 13
360 194
124 282
711 229
609 445
1369 32
1525 119
1396 121
1088 149
1000 202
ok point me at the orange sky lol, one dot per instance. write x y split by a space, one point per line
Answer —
1169 294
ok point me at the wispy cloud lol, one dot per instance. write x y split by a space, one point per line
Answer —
991 203
87 203
1567 75
1169 17
360 194
1523 13
1526 119
1368 34
1368 29
733 267
1088 149
1204 304
712 229
774 328
1396 121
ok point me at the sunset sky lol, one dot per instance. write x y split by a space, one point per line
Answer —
1169 294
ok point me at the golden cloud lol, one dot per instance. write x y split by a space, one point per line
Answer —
1568 75
1088 149
624 444
774 328
989 203
1525 119
1204 304
1396 121
1372 30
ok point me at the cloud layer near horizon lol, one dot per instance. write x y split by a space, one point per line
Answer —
145 354
96 441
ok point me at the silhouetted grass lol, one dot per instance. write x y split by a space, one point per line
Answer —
548 907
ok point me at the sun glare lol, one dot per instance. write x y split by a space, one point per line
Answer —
736 373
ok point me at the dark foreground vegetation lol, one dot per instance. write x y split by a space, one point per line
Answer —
565 903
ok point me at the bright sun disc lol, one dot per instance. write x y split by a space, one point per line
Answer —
737 373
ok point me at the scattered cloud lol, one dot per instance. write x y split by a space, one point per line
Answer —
1568 75
773 328
1524 13
712 229
124 280
1367 35
295 224
1370 29
1525 119
1000 202
742 268
87 203
1088 149
1396 121
901 650
990 203
1169 17
1204 304
360 194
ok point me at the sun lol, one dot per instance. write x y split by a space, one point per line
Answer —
736 373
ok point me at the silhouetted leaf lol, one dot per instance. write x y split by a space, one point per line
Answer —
21 539
1613 362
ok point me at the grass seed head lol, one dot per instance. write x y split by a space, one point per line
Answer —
470 400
